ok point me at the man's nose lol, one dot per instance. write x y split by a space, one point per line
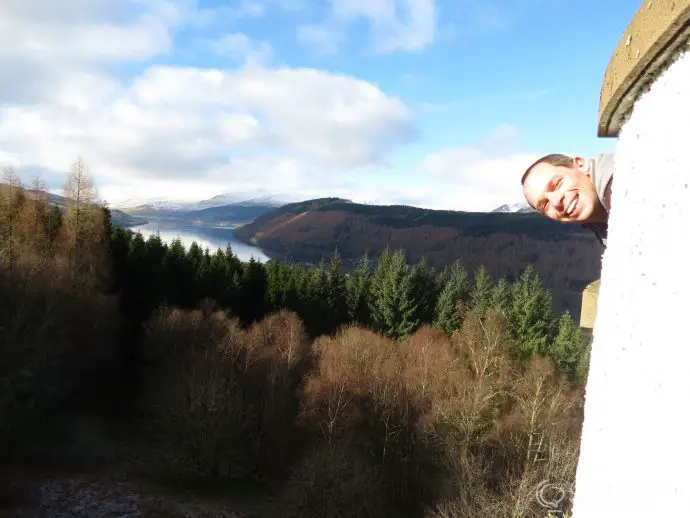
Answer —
555 198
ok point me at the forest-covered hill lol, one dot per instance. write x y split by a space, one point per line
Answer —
567 257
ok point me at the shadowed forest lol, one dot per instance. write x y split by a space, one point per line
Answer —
395 389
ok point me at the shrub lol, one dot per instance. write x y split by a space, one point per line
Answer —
221 399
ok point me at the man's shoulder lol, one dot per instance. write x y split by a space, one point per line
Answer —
602 176
605 161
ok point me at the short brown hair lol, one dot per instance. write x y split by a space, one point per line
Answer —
555 159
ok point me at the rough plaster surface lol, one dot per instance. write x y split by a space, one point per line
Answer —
635 449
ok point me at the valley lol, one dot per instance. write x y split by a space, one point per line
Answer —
308 232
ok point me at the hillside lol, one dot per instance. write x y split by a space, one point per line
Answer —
224 215
567 257
117 217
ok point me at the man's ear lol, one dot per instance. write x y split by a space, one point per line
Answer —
582 165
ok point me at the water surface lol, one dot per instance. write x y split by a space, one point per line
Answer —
205 236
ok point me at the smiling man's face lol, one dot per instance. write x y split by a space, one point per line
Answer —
564 194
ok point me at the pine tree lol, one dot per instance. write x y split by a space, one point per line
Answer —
394 308
482 290
424 291
276 285
197 262
304 294
234 263
501 296
530 318
455 293
178 274
216 280
53 223
359 294
156 272
318 311
568 347
136 282
250 304
378 279
292 300
336 294
196 268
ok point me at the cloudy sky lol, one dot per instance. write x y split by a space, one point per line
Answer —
436 103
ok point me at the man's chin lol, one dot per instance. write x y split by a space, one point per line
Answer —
577 219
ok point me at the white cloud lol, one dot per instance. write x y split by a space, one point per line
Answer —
190 133
177 120
397 25
179 130
46 48
483 176
8 160
82 30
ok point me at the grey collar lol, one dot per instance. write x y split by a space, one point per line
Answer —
602 172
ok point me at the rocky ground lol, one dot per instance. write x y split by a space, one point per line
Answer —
85 496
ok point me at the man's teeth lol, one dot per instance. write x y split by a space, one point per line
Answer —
571 206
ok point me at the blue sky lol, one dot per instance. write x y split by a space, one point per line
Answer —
434 103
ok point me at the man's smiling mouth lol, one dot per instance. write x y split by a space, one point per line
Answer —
572 206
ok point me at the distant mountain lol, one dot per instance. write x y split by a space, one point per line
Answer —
168 208
152 204
567 257
255 197
224 215
124 220
521 208
227 215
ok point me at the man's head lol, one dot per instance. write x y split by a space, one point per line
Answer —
561 188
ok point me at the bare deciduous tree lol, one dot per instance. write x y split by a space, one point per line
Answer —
11 200
84 222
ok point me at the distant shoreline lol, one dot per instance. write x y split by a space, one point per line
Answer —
192 223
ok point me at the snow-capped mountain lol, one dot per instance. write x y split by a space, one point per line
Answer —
520 207
247 198
155 204
255 197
